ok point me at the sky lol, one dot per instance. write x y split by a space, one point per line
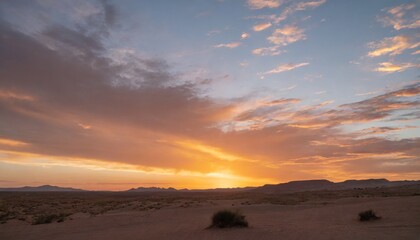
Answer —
111 95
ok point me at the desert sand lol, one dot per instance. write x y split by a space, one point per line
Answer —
185 219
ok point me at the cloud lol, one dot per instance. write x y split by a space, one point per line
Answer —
286 67
388 67
261 26
317 116
67 101
244 35
366 93
400 17
69 89
268 51
228 45
286 12
383 130
392 46
11 142
311 4
258 4
286 35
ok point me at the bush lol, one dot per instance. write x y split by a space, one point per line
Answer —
368 215
228 219
49 218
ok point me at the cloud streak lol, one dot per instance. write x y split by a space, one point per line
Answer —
286 67
392 46
388 67
261 26
228 45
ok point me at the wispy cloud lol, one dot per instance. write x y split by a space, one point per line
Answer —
389 67
286 67
286 35
383 130
213 32
228 45
366 93
10 142
392 46
258 4
401 17
311 4
286 12
261 26
267 51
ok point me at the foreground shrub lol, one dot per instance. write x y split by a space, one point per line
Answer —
49 218
368 215
228 219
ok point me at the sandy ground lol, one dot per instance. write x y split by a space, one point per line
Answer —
312 220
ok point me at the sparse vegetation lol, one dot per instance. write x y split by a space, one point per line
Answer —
228 219
49 218
368 215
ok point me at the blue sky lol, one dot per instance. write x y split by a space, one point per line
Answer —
335 45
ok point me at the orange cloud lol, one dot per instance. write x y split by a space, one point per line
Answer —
398 19
261 26
392 46
286 35
10 142
258 4
388 67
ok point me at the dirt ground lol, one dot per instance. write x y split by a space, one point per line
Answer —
332 219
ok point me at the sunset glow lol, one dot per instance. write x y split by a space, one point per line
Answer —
112 95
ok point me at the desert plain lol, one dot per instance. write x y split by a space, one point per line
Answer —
186 215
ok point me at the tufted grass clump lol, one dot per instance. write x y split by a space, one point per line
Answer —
228 219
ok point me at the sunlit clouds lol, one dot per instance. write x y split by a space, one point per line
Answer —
389 67
258 4
287 35
113 95
285 67
392 46
261 26
402 16
271 51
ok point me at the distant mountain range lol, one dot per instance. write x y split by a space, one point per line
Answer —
289 187
43 188
314 185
